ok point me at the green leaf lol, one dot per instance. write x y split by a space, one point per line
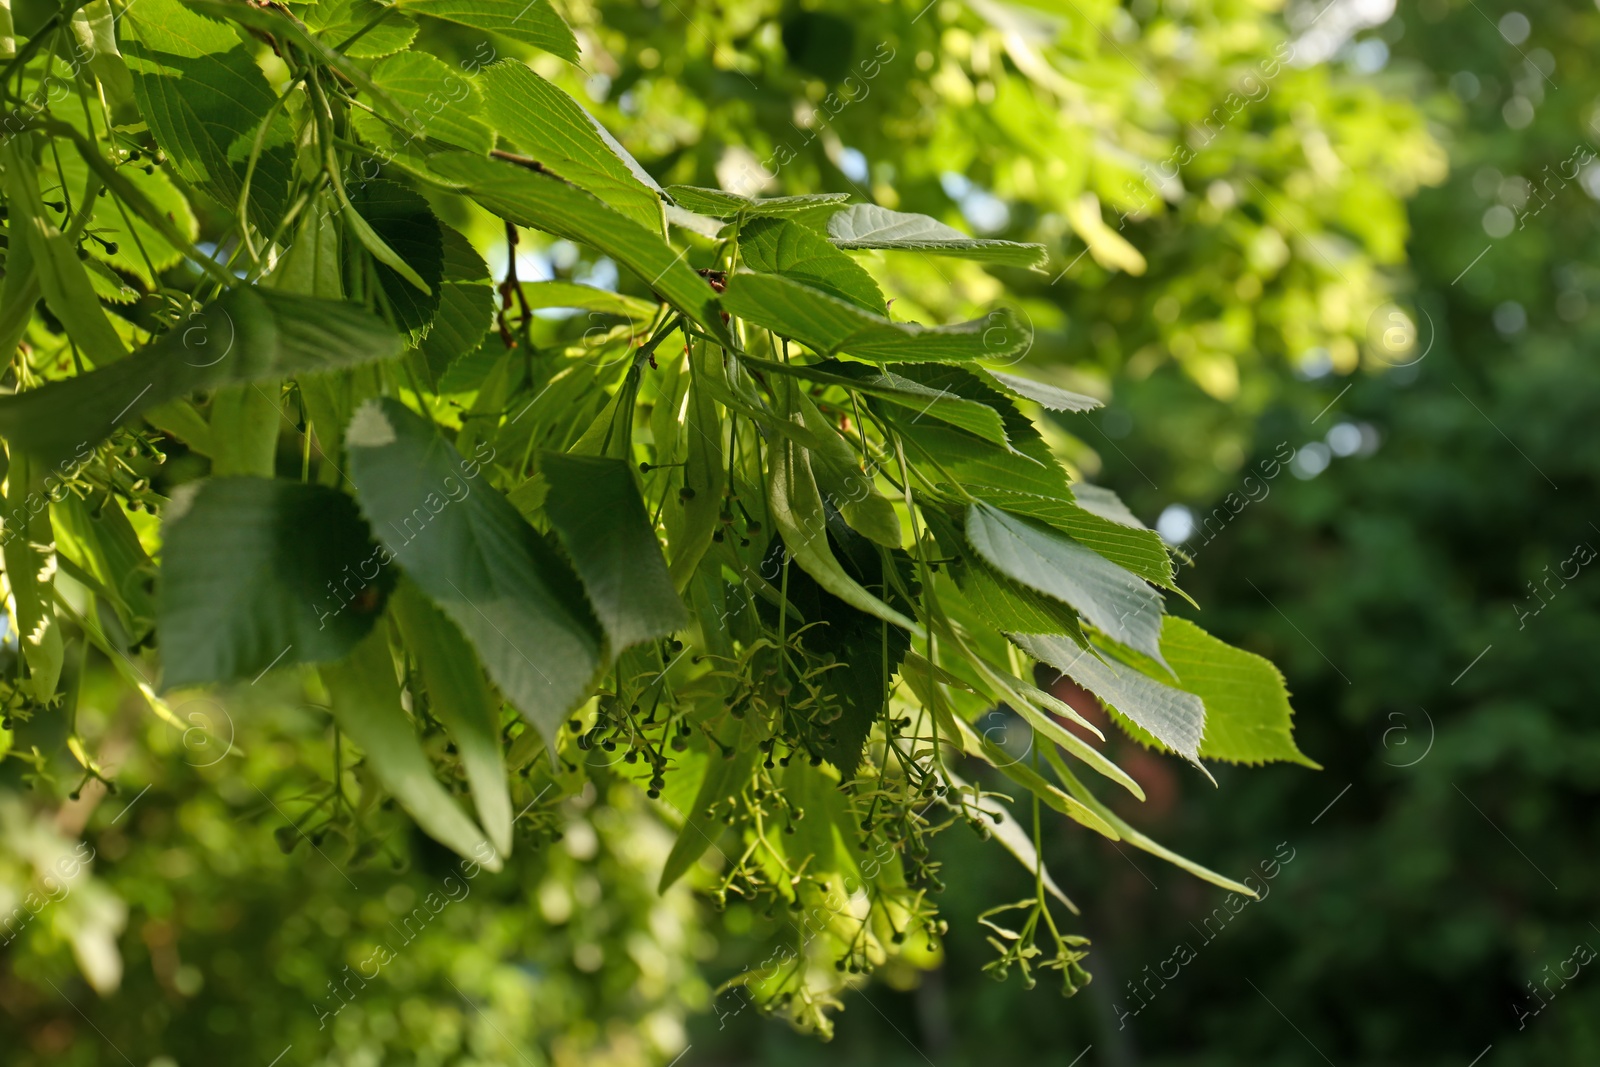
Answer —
827 324
871 226
204 97
106 547
259 573
559 294
1106 504
595 509
284 28
65 284
860 645
1108 597
723 205
466 547
1034 782
1004 475
846 487
375 244
1008 606
407 226
797 510
460 699
532 22
439 102
529 198
1173 717
366 705
1134 837
1248 718
886 383
547 124
727 768
1047 396
1006 830
336 21
244 430
122 224
30 561
243 336
702 472
779 246
466 306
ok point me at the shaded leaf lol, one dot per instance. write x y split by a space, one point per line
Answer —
797 510
595 509
244 335
466 547
408 227
255 573
466 306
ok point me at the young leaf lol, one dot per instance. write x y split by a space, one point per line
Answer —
553 128
1116 602
243 336
366 705
595 510
532 22
778 246
871 226
1175 718
477 559
460 699
259 573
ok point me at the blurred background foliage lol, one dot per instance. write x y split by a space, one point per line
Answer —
1237 199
